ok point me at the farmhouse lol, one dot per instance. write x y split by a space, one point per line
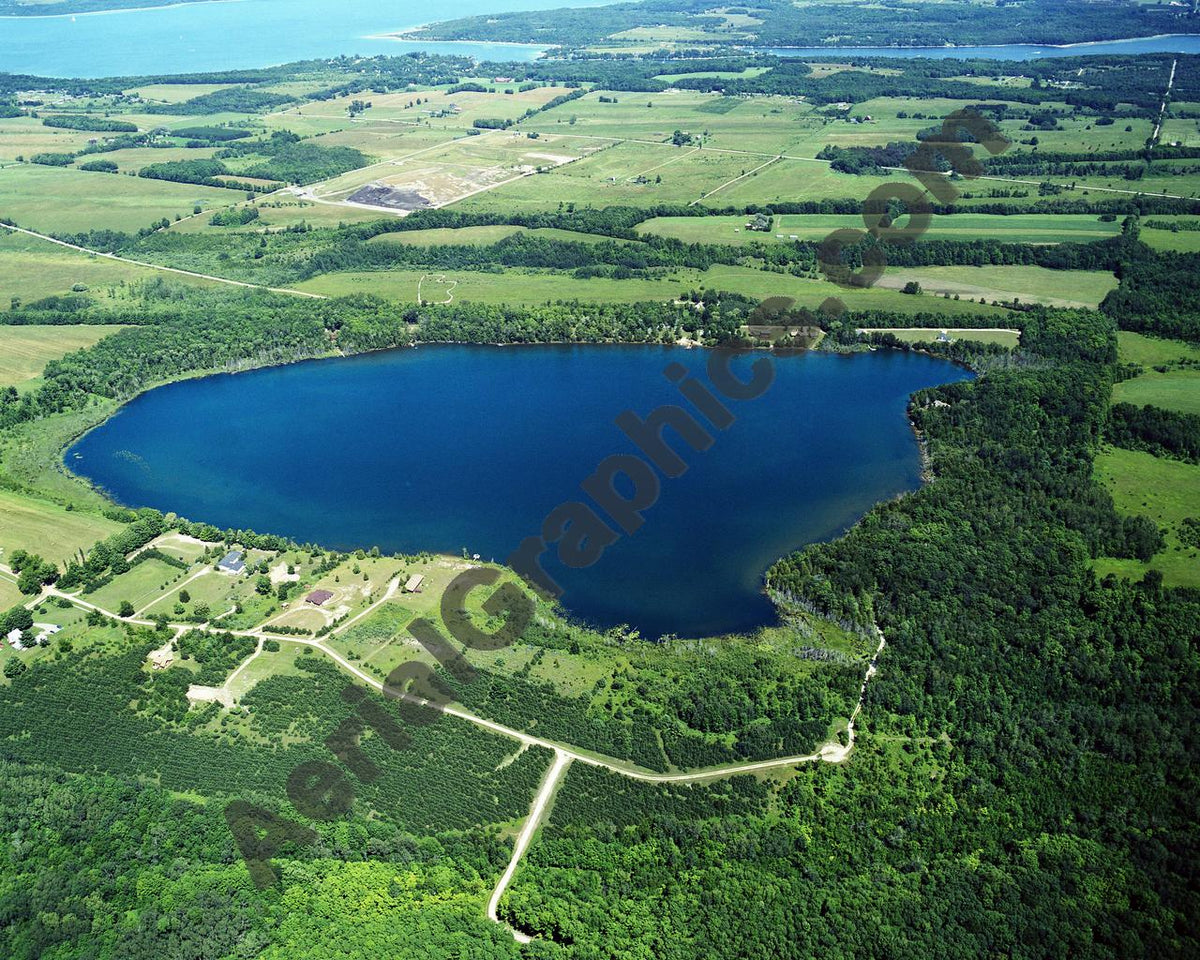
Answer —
319 597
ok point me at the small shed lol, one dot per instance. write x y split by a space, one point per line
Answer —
319 597
414 583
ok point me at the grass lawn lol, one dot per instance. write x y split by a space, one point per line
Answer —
46 528
1166 491
1173 390
25 350
221 593
269 663
10 596
146 582
1007 338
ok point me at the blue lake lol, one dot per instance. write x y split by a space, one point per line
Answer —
257 33
233 34
446 448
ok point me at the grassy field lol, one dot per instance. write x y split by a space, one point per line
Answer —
1007 338
532 287
64 200
1022 228
1148 351
25 350
1059 288
46 528
1166 491
176 92
1183 241
1173 390
484 236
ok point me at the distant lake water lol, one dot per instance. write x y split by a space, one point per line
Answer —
452 448
235 34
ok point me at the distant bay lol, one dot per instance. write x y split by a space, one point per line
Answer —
235 34
238 34
457 448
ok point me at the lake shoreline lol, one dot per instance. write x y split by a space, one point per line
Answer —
416 511
970 46
105 13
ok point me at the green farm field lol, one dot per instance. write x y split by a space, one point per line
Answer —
1174 390
1166 491
31 267
1181 241
25 350
64 200
1019 228
1148 351
47 529
1059 288
535 287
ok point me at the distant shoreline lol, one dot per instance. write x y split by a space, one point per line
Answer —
405 36
104 13
968 46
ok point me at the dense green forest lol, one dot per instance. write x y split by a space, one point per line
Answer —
1023 785
896 23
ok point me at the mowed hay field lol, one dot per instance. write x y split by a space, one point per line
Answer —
1166 491
1174 390
48 529
64 200
1148 351
1057 288
25 350
1021 228
531 287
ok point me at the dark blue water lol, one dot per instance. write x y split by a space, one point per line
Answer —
451 447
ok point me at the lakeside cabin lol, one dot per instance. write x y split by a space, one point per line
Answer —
233 562
319 597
